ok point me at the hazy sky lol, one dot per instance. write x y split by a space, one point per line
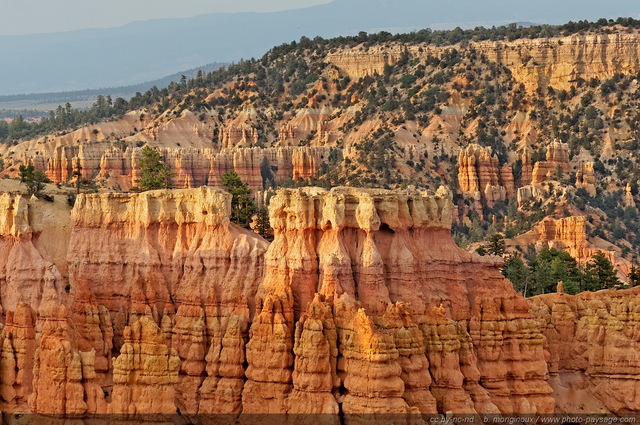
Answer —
43 16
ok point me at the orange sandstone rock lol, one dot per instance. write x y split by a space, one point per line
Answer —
145 372
154 243
585 178
560 61
17 356
314 374
628 200
189 339
527 168
367 246
557 160
24 271
362 304
270 359
221 391
480 176
570 234
63 376
368 364
191 167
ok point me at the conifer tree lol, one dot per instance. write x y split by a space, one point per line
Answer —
154 173
263 227
599 273
34 179
242 206
634 275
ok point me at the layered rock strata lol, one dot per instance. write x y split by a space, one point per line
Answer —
17 355
362 304
163 250
359 250
145 373
585 178
559 62
25 261
63 376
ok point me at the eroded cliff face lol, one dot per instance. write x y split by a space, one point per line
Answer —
481 177
592 341
362 304
157 284
28 260
555 166
560 61
162 250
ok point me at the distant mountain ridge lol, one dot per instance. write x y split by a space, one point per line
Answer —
35 104
148 50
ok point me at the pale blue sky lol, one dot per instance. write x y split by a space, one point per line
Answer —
44 16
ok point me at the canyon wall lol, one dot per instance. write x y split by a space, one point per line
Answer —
363 251
481 178
556 165
360 63
559 62
28 261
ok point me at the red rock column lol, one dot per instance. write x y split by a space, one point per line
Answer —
145 373
314 374
17 356
270 358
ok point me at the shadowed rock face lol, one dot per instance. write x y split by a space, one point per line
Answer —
592 341
362 304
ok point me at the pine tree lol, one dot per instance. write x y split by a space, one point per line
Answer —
242 206
634 276
551 266
34 179
263 227
600 273
517 272
266 173
77 172
154 173
495 246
